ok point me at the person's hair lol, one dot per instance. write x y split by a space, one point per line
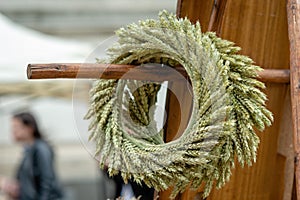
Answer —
29 120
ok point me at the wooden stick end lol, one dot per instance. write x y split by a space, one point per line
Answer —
29 72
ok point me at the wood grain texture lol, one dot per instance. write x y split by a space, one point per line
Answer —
196 10
217 16
265 179
180 100
178 109
260 28
293 9
285 145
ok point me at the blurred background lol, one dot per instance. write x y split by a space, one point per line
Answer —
45 31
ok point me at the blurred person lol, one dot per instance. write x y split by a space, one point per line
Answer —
35 178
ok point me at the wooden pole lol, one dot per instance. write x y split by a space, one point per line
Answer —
113 71
293 12
274 75
103 71
217 16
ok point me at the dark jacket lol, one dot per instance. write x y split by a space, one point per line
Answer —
36 174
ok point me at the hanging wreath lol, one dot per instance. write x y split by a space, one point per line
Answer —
227 104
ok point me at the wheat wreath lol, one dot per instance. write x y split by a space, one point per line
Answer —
227 104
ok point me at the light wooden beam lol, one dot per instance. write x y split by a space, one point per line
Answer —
113 71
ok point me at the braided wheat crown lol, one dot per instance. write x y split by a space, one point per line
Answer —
227 105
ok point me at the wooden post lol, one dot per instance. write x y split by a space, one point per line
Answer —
293 10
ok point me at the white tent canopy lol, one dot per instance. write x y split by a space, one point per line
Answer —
20 46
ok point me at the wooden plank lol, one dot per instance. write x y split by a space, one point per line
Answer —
286 147
293 10
260 28
196 10
217 16
113 71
